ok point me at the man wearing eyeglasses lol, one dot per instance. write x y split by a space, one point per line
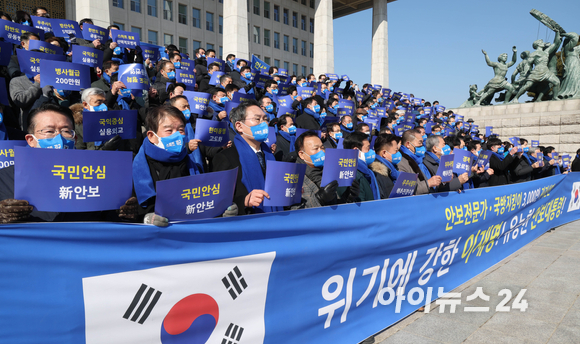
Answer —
249 154
50 126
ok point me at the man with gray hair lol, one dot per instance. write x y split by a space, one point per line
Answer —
93 99
436 148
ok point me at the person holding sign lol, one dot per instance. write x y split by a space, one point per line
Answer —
51 126
249 153
204 85
14 65
334 134
311 119
385 166
269 107
285 138
436 148
479 179
413 152
110 69
524 165
163 155
246 80
311 152
166 75
553 167
369 188
217 104
271 90
575 167
346 125
499 163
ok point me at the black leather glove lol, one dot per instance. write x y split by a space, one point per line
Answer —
354 191
113 144
327 193
129 209
12 210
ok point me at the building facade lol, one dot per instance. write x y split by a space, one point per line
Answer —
296 35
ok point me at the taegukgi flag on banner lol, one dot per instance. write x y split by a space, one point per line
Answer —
216 301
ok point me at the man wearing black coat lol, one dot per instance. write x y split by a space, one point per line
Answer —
500 166
310 119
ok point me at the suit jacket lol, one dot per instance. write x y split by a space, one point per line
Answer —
227 160
409 165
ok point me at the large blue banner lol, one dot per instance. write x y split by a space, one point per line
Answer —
334 274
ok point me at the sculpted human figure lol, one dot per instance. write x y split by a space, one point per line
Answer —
570 87
499 83
473 97
541 72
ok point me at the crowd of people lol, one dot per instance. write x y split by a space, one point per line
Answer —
165 147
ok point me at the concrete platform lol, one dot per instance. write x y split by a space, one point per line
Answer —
549 268
554 123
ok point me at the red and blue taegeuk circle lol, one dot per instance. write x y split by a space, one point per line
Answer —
190 321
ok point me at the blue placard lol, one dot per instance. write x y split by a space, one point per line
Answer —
6 53
396 96
405 185
242 97
359 96
428 127
7 151
416 101
187 65
3 92
150 51
64 75
215 78
126 39
566 161
42 23
94 32
44 47
104 125
11 32
134 76
382 111
399 130
345 77
222 63
65 28
283 183
333 77
231 105
540 157
284 110
386 93
445 169
483 159
535 143
346 104
69 180
260 80
198 102
427 110
340 165
461 161
88 56
195 197
271 139
282 71
185 77
212 133
305 92
372 122
285 101
259 65
343 112
474 128
488 131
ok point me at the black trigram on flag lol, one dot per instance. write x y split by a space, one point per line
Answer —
140 302
235 284
233 334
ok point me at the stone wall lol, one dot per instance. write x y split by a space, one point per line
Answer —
554 123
